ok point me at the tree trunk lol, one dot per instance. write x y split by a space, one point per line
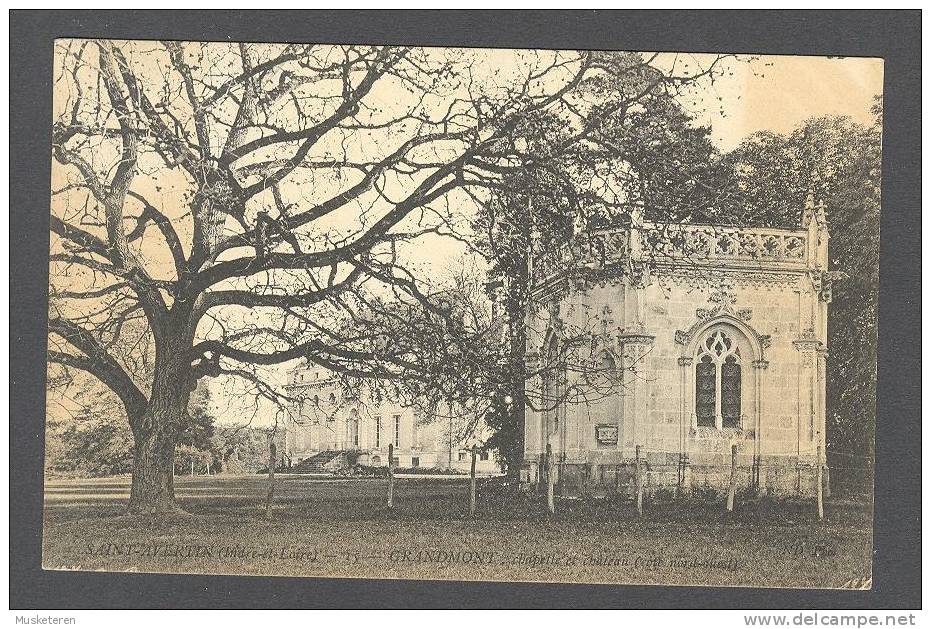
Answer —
517 369
155 435
153 488
272 459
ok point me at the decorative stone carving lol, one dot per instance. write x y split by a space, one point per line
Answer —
807 358
699 278
807 343
684 338
817 279
745 313
607 319
635 334
612 252
723 299
712 242
532 361
808 334
825 283
639 273
723 296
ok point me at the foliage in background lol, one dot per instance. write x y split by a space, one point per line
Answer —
241 449
90 439
94 439
839 162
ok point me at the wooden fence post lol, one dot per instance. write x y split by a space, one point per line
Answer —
732 485
271 475
820 484
472 484
638 478
550 485
541 473
390 475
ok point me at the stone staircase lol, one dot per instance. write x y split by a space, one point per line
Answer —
324 462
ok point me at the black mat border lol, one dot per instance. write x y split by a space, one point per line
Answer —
893 35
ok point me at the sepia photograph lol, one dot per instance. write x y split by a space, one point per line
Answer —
462 313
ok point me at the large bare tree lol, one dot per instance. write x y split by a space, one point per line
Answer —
222 207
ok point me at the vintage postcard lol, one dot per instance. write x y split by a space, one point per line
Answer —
567 316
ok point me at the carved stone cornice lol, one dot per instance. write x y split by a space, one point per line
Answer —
699 278
635 334
807 341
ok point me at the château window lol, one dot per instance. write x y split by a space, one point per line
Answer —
354 428
718 381
397 430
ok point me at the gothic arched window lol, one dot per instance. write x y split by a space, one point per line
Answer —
730 392
606 364
718 381
705 391
603 375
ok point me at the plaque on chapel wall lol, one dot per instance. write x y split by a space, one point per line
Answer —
606 435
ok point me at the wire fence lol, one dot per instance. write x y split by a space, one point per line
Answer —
794 472
851 473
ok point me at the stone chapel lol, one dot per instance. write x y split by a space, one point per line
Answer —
695 338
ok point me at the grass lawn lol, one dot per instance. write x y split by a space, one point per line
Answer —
341 528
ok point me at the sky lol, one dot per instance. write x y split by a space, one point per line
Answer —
776 93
